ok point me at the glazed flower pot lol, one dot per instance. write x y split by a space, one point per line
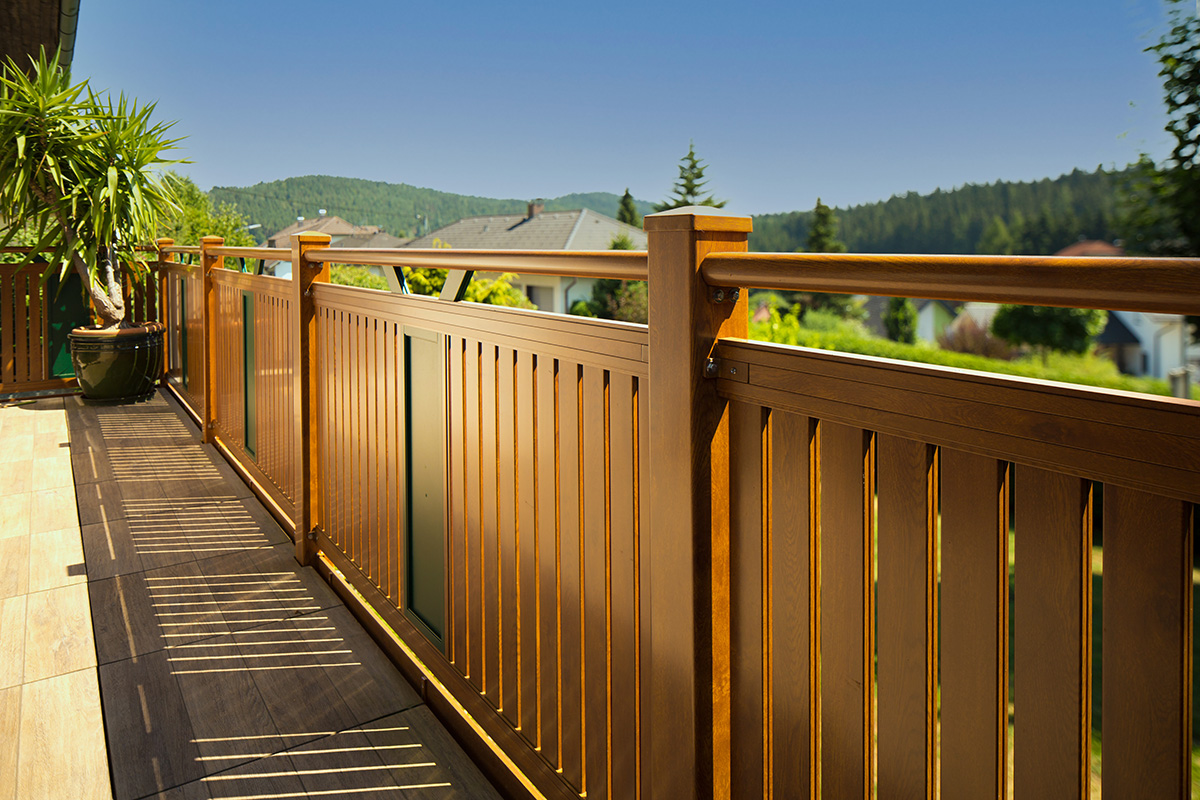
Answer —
117 364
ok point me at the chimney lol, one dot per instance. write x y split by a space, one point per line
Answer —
536 207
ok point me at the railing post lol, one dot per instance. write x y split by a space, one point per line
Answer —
304 389
689 520
209 340
160 304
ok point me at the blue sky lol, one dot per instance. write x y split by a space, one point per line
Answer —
786 101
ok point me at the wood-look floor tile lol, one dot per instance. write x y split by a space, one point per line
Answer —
229 718
150 737
10 739
58 632
14 558
293 680
344 764
367 681
89 464
15 515
52 473
99 501
197 790
18 477
453 775
59 559
123 619
12 641
156 536
267 778
61 715
185 608
109 550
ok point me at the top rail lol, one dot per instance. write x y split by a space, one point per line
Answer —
268 253
182 249
618 264
1158 285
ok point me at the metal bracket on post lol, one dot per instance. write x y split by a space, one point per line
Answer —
719 294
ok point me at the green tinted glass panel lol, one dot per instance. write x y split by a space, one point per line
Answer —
249 395
67 309
425 543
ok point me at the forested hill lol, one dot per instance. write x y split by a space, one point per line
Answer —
392 206
1039 217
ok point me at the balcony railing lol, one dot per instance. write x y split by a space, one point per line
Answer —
667 561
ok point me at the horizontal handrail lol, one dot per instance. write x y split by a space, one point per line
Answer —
182 249
268 253
617 264
1159 285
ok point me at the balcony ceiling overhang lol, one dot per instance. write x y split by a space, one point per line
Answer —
26 25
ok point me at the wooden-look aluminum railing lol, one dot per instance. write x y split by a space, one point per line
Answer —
671 591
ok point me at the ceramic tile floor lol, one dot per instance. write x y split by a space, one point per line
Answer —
49 690
225 669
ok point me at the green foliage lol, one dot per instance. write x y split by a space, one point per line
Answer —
900 320
1078 204
392 206
632 302
627 211
1179 58
614 299
1089 369
822 235
688 187
996 239
1070 330
621 241
199 216
357 276
83 172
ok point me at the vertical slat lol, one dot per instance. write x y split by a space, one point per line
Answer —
456 420
907 634
547 558
595 582
1148 593
392 445
399 418
8 306
345 419
361 436
37 306
846 624
790 652
974 623
642 541
571 718
528 543
490 552
474 569
623 559
506 429
747 640
1052 605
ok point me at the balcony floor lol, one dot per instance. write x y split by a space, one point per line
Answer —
224 669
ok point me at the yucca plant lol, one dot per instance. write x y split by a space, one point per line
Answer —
84 174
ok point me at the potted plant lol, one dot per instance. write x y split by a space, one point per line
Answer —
83 174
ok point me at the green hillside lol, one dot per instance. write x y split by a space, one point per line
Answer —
393 206
1037 217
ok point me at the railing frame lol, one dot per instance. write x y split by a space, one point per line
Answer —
697 265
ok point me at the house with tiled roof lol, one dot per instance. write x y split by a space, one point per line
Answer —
538 229
341 233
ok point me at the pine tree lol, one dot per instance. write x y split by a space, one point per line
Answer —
1179 56
900 320
687 188
822 235
822 238
627 211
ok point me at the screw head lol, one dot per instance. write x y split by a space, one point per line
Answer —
719 295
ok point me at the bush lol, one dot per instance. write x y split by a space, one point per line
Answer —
900 320
1089 369
966 335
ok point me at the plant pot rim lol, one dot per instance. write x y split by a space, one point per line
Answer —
92 332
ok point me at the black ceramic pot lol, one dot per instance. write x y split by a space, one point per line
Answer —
117 364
